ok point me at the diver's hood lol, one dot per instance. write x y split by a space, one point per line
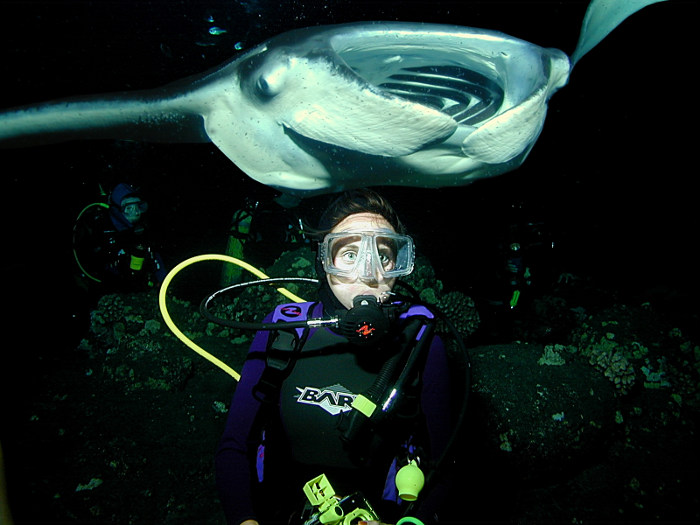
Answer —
331 304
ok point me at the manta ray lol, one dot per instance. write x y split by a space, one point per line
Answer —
328 108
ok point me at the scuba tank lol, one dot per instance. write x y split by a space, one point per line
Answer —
136 258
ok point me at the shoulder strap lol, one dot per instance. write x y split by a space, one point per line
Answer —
293 312
283 347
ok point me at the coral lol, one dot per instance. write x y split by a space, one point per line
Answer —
294 263
610 357
614 365
458 307
631 346
552 356
656 378
461 311
151 327
109 308
423 280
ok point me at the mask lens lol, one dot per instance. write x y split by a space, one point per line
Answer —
132 212
386 253
344 253
395 254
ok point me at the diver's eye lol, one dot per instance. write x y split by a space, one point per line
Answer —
387 255
346 258
387 260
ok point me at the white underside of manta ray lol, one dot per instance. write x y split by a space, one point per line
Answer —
329 108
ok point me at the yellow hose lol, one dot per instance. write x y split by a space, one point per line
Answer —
179 334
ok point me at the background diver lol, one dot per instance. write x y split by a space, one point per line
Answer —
111 244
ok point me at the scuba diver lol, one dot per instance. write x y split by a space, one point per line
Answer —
111 246
357 402
259 230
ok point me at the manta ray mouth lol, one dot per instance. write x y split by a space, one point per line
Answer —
435 74
467 96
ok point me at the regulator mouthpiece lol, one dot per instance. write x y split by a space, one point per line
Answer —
409 481
365 323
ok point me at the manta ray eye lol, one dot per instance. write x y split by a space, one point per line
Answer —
271 83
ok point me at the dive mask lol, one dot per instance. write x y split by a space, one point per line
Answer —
367 254
132 208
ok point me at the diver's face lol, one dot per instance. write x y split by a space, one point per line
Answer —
347 288
131 208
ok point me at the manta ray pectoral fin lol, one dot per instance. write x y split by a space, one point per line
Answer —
507 135
348 113
154 115
602 16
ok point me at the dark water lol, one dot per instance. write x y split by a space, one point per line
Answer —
610 181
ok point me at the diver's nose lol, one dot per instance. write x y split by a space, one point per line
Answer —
368 273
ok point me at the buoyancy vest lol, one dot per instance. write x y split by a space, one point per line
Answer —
317 375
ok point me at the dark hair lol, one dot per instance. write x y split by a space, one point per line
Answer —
358 201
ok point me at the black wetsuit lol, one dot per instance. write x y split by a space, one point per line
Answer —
301 427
